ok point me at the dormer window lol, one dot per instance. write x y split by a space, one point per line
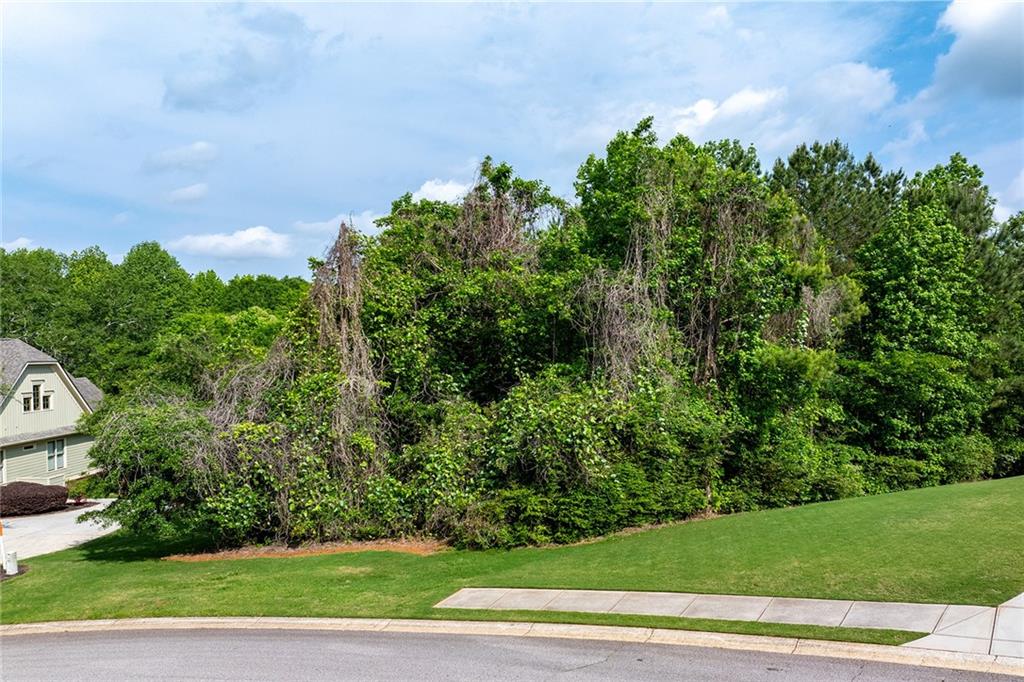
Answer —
38 399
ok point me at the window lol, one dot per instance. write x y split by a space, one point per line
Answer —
36 400
55 455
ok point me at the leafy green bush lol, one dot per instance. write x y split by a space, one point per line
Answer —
92 486
905 405
967 458
148 443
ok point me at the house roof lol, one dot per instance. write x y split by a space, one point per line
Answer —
15 354
90 391
36 436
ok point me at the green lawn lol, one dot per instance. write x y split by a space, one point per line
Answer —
956 544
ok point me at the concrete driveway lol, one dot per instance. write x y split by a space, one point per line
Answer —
31 536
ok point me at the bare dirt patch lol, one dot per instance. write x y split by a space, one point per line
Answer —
407 546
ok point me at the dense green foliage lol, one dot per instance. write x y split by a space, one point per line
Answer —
106 321
692 335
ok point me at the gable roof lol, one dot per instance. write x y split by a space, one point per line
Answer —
14 355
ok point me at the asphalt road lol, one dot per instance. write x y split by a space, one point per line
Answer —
304 655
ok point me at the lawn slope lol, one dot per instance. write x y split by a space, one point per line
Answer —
952 544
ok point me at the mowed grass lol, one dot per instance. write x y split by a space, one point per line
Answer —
961 544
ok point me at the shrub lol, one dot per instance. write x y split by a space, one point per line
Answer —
967 458
906 405
21 498
837 474
1009 457
148 443
93 486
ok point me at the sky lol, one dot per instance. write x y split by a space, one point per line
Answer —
240 135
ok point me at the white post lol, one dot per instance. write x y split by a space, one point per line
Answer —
11 563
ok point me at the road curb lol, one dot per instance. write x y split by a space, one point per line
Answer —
787 645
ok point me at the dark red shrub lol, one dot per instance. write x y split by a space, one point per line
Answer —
20 498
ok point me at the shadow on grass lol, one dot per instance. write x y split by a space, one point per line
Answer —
126 546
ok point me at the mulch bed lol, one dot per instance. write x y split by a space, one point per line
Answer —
409 546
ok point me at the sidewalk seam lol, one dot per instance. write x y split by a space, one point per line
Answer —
765 609
941 616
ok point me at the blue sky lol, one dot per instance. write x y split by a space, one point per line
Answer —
239 135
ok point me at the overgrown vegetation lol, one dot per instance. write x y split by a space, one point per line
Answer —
691 335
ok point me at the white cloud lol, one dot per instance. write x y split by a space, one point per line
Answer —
988 52
716 18
253 242
915 135
1015 192
195 157
268 53
121 218
854 86
441 190
363 222
693 119
14 245
750 101
1011 199
184 195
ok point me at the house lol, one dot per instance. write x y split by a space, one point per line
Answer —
39 439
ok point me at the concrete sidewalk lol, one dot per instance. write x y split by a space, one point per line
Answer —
966 629
31 536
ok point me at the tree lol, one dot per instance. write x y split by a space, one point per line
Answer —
30 283
82 311
846 201
207 291
921 292
151 289
958 189
263 291
1003 278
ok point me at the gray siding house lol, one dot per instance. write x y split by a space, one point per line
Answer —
41 404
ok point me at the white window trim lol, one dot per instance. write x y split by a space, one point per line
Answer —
43 393
57 464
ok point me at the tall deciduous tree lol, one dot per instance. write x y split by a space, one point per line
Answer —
921 291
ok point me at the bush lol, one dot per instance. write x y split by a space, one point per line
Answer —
967 458
93 486
907 405
21 498
149 442
1009 457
